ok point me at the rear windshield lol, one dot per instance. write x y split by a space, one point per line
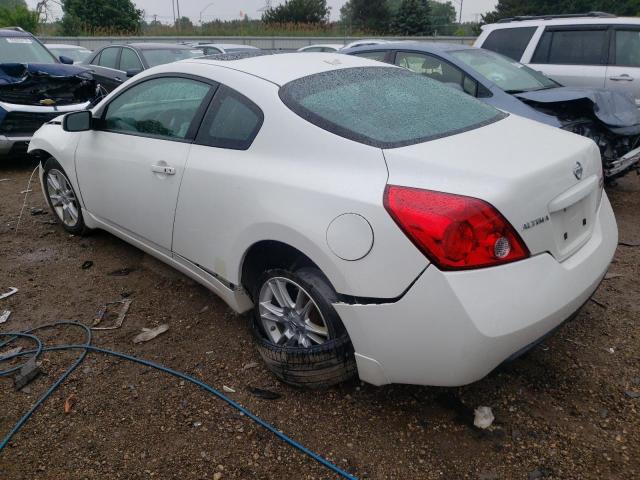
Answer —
169 55
385 107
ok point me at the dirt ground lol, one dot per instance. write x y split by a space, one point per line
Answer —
564 411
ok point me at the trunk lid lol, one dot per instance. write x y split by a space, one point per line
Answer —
546 182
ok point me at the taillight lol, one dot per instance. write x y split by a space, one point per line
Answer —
455 232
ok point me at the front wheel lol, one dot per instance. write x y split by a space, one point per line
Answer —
62 199
298 332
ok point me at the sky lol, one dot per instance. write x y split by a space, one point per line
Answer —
230 9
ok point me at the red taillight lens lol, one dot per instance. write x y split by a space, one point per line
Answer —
453 231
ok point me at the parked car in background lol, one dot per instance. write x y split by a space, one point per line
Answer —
592 50
217 48
363 42
421 245
35 87
326 48
75 52
610 119
114 64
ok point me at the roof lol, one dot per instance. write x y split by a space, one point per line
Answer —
419 46
156 46
11 32
227 45
64 45
535 22
282 68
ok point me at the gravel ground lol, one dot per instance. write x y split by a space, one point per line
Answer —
564 411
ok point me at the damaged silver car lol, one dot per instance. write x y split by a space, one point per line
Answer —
36 87
610 118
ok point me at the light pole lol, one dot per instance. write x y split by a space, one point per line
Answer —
202 11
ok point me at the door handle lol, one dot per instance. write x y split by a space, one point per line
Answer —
622 78
164 169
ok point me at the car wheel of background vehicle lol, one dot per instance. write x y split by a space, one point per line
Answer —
62 199
298 332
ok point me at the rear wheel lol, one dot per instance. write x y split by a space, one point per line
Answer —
298 332
62 199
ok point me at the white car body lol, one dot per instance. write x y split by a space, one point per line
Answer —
322 47
363 42
607 72
322 194
227 47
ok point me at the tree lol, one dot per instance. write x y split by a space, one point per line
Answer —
369 15
513 8
93 16
184 23
298 11
15 14
412 19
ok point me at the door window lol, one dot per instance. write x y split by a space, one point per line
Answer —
161 107
232 121
129 60
627 48
109 58
572 47
510 42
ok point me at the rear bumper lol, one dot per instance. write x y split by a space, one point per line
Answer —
453 328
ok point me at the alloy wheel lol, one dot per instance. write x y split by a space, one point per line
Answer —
63 200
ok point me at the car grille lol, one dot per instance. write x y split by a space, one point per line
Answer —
24 123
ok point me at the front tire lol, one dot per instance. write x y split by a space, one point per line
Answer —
298 333
62 199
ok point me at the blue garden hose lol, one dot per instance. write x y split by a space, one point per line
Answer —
87 347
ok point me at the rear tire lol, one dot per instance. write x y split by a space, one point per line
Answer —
326 356
62 198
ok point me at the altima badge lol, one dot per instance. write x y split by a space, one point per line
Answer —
578 170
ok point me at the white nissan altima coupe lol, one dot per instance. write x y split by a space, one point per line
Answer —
376 221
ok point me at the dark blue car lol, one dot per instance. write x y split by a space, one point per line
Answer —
609 118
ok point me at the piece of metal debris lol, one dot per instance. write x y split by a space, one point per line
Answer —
10 353
4 316
483 417
86 265
600 304
121 272
104 312
150 333
37 211
228 389
264 394
249 365
26 374
11 291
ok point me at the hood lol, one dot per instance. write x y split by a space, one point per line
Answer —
45 84
615 109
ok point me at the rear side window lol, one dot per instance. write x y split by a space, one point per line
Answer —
232 121
108 58
385 107
572 47
510 42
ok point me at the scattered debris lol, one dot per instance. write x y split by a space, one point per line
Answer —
228 389
611 276
4 316
4 179
150 333
217 476
126 294
249 365
27 374
37 211
264 394
26 191
631 394
121 272
203 309
11 291
48 222
104 312
86 265
197 424
600 304
610 350
69 403
483 417
10 353
576 343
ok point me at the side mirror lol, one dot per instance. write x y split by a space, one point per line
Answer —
66 60
77 121
133 72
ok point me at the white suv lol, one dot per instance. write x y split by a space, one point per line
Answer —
592 50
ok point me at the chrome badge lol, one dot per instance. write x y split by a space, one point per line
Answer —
578 171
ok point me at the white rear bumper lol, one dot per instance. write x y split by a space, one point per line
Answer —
453 328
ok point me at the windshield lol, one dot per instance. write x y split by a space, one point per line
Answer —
510 76
161 56
23 50
384 107
76 54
